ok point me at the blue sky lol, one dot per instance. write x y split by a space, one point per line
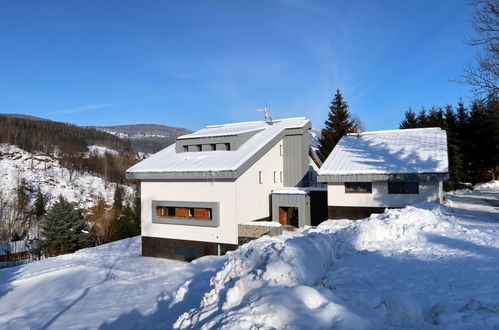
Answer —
194 63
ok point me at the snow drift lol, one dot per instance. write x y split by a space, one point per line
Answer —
422 267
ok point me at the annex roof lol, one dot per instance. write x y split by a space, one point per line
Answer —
218 164
380 155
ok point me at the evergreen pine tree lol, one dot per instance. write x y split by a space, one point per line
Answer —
410 120
338 124
64 230
118 197
422 118
453 143
493 152
39 204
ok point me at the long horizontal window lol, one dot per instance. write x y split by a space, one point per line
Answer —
358 187
195 213
403 187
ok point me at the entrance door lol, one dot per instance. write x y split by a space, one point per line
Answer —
288 216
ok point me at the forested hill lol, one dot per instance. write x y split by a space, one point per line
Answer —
71 144
39 135
35 134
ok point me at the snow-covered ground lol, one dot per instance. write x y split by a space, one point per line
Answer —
101 151
53 179
421 267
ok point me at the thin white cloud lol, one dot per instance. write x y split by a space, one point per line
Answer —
83 108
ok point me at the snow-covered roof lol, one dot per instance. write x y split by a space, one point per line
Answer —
381 153
226 130
168 163
290 191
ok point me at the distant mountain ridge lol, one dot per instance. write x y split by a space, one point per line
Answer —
21 116
146 137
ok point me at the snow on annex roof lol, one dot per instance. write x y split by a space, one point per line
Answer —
379 154
169 164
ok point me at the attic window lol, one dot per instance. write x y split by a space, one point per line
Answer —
358 187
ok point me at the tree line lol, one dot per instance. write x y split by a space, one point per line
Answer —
472 137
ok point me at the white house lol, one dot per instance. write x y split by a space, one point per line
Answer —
368 172
197 191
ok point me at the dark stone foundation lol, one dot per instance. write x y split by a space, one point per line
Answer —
182 250
352 212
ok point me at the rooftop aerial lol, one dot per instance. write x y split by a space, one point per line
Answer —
169 163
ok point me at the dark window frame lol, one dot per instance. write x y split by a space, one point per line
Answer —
403 187
185 213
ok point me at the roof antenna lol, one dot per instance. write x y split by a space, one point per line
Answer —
266 113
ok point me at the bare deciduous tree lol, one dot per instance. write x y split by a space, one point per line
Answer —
484 74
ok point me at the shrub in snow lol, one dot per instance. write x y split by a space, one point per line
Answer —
64 230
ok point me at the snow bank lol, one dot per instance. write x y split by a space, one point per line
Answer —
257 269
383 271
493 184
422 267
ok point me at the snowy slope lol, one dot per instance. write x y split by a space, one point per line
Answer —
101 151
421 267
53 179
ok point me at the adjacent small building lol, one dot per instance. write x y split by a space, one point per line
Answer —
368 172
196 192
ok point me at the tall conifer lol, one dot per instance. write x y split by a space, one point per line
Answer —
338 124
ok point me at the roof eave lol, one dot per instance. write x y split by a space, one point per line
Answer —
194 175
367 177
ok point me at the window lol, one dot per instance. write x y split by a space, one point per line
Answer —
275 177
403 187
280 149
213 146
260 180
227 146
358 187
280 175
196 213
186 213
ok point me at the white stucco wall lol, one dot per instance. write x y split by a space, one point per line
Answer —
191 191
240 201
428 192
253 198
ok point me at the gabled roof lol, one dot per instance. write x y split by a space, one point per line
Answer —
219 164
384 154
